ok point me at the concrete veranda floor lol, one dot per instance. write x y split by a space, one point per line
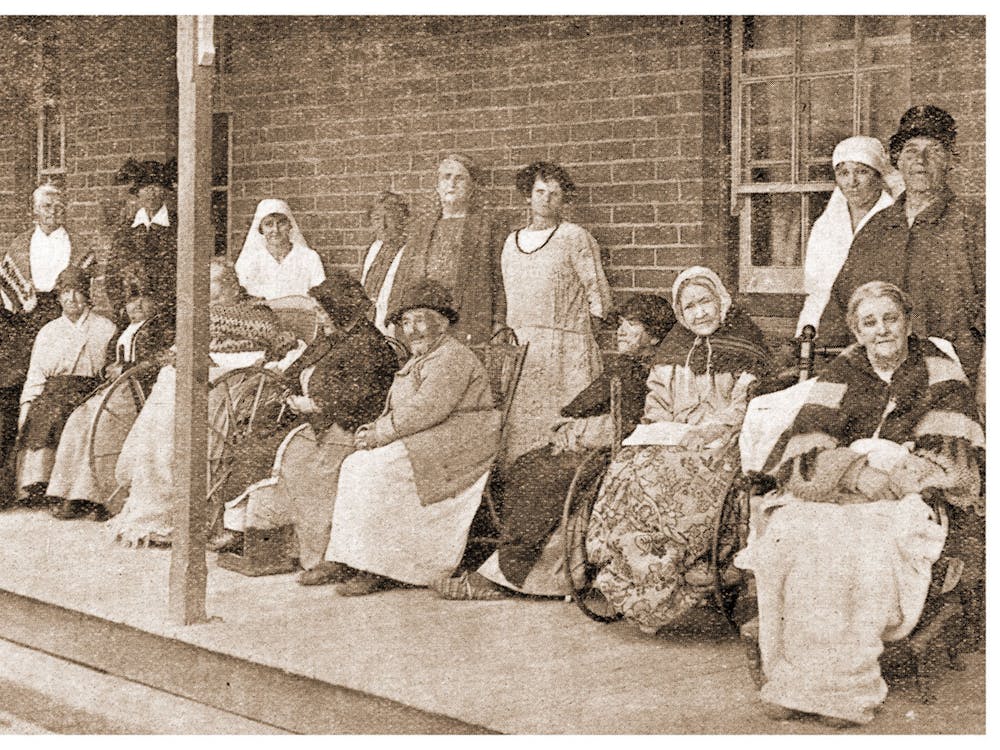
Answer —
515 666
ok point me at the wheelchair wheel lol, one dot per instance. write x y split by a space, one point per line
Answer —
122 401
576 516
243 404
728 537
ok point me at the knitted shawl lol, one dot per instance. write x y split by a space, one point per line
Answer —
928 403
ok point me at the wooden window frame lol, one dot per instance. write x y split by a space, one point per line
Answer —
787 279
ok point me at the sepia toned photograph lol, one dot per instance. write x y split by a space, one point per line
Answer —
492 374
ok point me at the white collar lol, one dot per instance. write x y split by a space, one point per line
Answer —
162 218
59 234
79 321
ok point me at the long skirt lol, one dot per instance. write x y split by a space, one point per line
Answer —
380 526
833 583
300 491
559 364
531 494
653 519
73 475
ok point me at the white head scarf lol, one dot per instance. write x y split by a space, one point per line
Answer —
866 150
254 243
831 234
708 278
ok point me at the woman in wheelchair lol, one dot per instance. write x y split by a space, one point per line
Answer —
242 332
531 491
71 484
338 384
651 528
842 553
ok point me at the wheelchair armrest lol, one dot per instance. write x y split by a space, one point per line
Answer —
758 483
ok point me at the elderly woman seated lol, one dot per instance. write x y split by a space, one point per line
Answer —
407 496
338 384
530 493
71 485
243 332
842 554
652 524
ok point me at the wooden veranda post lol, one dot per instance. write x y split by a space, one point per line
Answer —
188 570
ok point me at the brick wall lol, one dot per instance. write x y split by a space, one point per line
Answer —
949 70
326 112
373 104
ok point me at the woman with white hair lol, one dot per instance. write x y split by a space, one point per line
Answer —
275 260
866 184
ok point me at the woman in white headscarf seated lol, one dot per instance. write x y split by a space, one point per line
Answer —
275 260
243 332
406 498
866 184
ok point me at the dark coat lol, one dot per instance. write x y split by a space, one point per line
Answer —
478 295
940 262
352 377
156 334
148 254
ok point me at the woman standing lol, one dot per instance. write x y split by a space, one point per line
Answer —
866 184
554 280
653 519
275 260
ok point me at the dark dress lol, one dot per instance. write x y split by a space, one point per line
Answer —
532 490
147 254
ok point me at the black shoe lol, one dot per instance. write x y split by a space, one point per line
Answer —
227 541
95 511
67 510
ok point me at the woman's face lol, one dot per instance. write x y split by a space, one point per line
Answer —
140 308
276 229
701 309
632 337
454 186
546 199
882 329
222 285
386 221
421 328
859 183
151 198
73 302
49 212
924 163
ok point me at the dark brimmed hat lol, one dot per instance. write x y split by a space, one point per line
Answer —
76 278
926 121
654 313
341 296
142 173
427 294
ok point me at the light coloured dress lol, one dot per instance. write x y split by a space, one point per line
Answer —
554 283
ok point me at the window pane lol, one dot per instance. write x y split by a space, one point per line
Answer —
885 97
827 43
827 118
220 219
876 26
816 204
820 172
768 124
51 156
220 149
767 45
776 229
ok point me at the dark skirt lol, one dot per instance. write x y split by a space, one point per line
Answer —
533 491
49 411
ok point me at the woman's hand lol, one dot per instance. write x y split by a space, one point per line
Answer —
875 484
114 370
364 437
301 404
698 436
